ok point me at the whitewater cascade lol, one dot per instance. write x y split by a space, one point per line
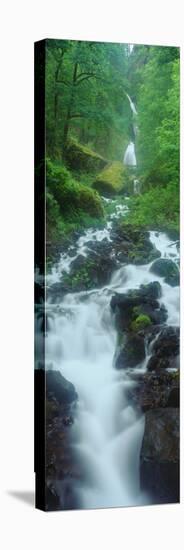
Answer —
81 343
129 156
132 106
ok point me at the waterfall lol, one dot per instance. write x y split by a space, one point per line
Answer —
132 106
81 343
129 156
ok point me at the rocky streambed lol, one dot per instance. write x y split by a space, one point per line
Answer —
112 359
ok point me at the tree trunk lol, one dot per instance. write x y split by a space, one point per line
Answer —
67 121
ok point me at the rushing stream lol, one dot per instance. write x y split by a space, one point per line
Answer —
81 342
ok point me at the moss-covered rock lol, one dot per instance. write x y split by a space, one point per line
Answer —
134 245
81 157
73 198
140 303
88 273
113 179
141 322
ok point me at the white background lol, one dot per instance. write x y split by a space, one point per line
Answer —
158 22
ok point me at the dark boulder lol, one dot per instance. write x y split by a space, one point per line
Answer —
142 301
167 269
57 291
90 272
57 386
156 390
168 342
133 245
132 352
159 459
174 397
165 350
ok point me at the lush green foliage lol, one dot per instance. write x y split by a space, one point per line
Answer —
89 124
155 210
70 204
158 108
85 96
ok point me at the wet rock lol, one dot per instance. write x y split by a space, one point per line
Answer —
142 301
156 390
57 291
173 234
90 272
62 468
174 397
159 459
133 246
167 269
168 341
58 387
55 413
165 350
132 352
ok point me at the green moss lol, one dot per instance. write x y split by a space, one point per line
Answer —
113 179
141 322
81 157
82 279
136 311
72 196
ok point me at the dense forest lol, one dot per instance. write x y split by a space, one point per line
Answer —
89 123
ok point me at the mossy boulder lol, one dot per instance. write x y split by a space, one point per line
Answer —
81 157
134 245
112 180
72 197
139 303
141 322
167 269
88 273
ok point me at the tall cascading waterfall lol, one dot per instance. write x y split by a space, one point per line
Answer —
130 156
132 106
81 342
